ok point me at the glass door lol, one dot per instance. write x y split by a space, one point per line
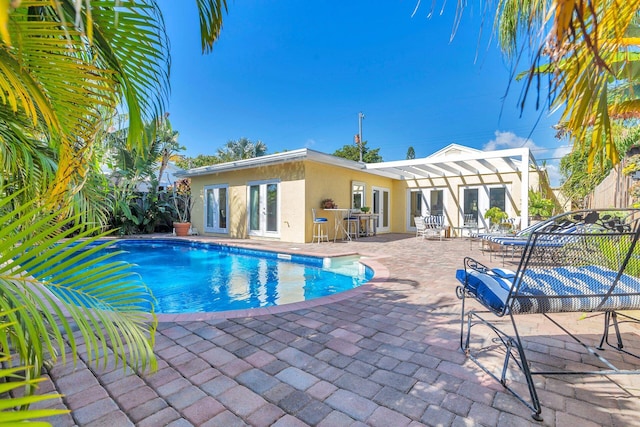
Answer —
381 202
470 205
264 212
216 209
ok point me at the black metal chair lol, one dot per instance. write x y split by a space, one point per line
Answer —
584 261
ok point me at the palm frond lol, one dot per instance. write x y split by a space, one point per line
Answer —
68 63
211 12
50 282
14 380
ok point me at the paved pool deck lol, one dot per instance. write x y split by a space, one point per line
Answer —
386 354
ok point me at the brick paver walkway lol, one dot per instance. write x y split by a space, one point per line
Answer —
387 357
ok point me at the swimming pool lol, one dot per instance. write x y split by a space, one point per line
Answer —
188 277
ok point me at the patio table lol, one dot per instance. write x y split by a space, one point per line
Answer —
339 215
370 221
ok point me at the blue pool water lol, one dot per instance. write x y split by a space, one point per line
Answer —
187 277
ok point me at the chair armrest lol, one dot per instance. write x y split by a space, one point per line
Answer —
472 264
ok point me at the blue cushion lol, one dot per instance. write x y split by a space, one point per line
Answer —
552 290
575 289
489 288
320 220
504 273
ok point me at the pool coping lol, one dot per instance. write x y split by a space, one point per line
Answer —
380 275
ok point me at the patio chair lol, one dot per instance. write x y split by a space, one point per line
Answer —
429 225
500 244
577 262
434 225
470 223
420 226
491 241
352 224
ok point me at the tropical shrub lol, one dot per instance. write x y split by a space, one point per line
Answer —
539 207
180 195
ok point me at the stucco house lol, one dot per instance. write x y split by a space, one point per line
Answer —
272 196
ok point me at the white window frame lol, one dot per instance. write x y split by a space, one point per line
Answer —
263 232
214 229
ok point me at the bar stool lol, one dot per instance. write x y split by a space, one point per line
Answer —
319 228
352 225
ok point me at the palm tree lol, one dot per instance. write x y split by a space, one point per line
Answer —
587 53
61 86
64 68
241 149
411 153
165 143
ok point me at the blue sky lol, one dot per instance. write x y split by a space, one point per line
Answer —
296 74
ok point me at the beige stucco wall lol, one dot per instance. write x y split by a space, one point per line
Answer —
303 185
325 181
292 188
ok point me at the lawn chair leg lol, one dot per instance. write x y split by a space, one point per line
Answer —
614 316
611 318
605 333
514 352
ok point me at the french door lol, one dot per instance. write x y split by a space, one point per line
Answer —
217 207
381 203
264 208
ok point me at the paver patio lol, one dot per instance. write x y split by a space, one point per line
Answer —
384 355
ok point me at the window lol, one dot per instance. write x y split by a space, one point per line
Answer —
357 195
437 202
497 197
471 202
425 202
415 206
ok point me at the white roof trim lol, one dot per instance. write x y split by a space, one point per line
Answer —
278 158
469 162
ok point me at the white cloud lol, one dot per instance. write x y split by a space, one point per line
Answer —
553 170
505 140
561 151
309 143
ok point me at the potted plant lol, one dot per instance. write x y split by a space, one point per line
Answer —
539 207
365 209
183 203
328 204
495 215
